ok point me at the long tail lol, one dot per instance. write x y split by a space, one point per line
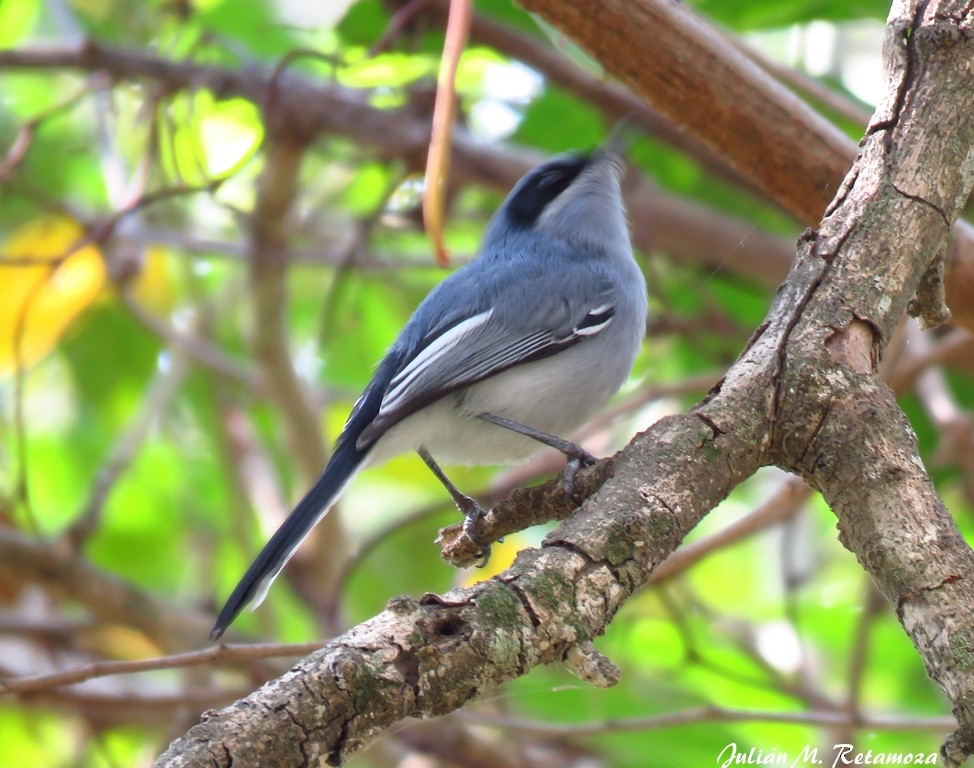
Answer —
343 466
349 457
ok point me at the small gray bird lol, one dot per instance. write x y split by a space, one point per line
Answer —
522 344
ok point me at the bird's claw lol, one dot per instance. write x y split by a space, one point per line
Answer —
577 460
472 515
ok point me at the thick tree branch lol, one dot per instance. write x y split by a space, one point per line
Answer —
805 394
430 657
912 176
276 190
109 598
769 136
660 221
613 99
677 226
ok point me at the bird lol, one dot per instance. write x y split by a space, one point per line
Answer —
519 346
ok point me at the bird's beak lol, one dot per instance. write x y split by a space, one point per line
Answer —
620 139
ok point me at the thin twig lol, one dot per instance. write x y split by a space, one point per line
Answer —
712 714
217 654
195 347
952 346
873 606
838 103
162 390
107 597
396 25
780 506
25 135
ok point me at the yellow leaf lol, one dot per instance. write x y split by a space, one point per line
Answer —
47 279
502 555
152 287
117 642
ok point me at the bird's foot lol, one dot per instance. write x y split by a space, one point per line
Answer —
580 458
473 513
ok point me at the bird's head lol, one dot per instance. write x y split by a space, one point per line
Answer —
575 197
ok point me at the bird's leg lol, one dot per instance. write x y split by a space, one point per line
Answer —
471 510
577 456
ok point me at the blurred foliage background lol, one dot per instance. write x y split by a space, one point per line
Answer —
150 441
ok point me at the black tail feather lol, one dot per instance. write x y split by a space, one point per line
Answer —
344 463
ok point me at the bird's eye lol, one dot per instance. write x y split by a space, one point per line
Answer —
551 179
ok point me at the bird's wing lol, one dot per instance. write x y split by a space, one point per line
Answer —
472 348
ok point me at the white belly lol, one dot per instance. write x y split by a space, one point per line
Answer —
539 395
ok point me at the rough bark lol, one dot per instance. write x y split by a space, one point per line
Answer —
808 160
768 135
804 395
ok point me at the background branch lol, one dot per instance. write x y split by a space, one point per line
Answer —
807 381
304 258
